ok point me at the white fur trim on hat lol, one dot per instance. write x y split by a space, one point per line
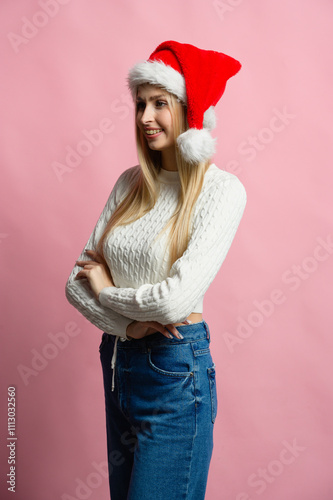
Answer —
209 120
157 73
196 145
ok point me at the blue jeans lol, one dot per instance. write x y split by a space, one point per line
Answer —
160 417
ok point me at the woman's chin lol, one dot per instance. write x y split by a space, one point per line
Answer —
154 147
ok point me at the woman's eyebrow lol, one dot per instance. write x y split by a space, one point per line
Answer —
152 97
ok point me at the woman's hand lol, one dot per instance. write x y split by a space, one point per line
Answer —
95 272
139 329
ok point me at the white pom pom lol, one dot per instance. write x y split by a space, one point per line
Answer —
209 120
196 145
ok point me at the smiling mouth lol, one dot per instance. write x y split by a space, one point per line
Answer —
153 131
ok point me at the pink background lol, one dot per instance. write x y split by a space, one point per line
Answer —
270 307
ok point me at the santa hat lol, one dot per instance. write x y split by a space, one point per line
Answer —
198 78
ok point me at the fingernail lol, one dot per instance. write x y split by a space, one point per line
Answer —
169 333
180 335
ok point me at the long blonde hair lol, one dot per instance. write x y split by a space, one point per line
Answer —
144 189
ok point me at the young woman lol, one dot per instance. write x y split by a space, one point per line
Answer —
157 246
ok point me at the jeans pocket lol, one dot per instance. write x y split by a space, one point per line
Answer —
213 392
172 360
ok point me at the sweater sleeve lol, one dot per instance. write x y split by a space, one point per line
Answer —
79 293
215 223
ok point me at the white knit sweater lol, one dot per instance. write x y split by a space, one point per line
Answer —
144 289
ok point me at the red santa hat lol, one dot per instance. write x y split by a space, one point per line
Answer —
198 78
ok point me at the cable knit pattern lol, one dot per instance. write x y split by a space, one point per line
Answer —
79 293
144 289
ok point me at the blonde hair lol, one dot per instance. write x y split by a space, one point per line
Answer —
144 188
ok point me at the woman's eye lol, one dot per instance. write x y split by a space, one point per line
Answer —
160 104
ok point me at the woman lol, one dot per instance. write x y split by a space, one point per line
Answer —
158 244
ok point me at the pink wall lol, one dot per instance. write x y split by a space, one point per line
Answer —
269 309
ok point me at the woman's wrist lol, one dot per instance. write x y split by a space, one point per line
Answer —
128 330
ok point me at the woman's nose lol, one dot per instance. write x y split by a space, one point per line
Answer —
147 115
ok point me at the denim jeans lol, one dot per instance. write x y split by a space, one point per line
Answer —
160 417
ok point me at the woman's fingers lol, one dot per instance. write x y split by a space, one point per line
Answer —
80 275
94 255
174 331
87 265
168 331
83 263
139 329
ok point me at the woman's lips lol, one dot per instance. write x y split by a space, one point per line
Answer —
152 133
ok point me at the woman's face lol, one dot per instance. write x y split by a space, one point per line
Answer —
154 118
